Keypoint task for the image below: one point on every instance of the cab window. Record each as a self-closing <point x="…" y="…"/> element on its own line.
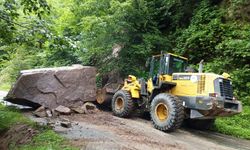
<point x="176" y="65"/>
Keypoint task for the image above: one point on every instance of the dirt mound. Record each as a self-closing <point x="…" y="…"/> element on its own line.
<point x="16" y="135"/>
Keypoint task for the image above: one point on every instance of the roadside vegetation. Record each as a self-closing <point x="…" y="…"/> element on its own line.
<point x="44" y="140"/>
<point x="11" y="116"/>
<point x="47" y="139"/>
<point x="48" y="33"/>
<point x="238" y="125"/>
<point x="5" y="87"/>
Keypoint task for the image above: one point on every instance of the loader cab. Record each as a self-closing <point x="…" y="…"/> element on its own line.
<point x="167" y="64"/>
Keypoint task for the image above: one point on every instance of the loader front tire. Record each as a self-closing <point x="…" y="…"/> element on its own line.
<point x="167" y="112"/>
<point x="122" y="104"/>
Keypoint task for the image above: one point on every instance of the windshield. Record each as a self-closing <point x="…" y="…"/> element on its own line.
<point x="168" y="64"/>
<point x="176" y="65"/>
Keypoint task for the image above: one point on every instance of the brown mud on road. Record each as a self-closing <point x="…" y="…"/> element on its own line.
<point x="103" y="131"/>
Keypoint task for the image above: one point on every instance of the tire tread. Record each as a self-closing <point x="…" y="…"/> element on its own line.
<point x="177" y="115"/>
<point x="129" y="104"/>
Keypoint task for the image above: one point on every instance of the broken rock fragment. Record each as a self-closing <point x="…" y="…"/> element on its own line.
<point x="40" y="112"/>
<point x="48" y="113"/>
<point x="63" y="110"/>
<point x="89" y="108"/>
<point x="86" y="108"/>
<point x="78" y="110"/>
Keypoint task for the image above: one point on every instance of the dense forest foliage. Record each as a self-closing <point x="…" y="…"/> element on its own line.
<point x="40" y="33"/>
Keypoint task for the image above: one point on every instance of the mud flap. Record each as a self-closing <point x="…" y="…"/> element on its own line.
<point x="195" y="114"/>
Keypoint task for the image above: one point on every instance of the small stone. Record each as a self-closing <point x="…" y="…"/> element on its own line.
<point x="57" y="123"/>
<point x="89" y="108"/>
<point x="55" y="113"/>
<point x="78" y="110"/>
<point x="49" y="113"/>
<point x="40" y="112"/>
<point x="51" y="124"/>
<point x="65" y="120"/>
<point x="66" y="124"/>
<point x="63" y="110"/>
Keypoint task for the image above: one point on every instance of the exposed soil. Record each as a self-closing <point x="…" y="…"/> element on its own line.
<point x="102" y="130"/>
<point x="16" y="135"/>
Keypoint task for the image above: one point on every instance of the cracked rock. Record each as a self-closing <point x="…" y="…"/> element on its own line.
<point x="68" y="86"/>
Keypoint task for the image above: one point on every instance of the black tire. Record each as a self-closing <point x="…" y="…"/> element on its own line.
<point x="200" y="124"/>
<point x="175" y="112"/>
<point x="127" y="107"/>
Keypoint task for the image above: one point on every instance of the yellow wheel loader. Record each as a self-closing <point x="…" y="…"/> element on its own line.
<point x="174" y="93"/>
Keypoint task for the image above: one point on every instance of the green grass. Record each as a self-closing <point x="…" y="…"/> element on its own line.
<point x="45" y="140"/>
<point x="5" y="87"/>
<point x="238" y="125"/>
<point x="11" y="116"/>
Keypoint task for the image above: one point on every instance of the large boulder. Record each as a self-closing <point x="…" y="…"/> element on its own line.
<point x="51" y="87"/>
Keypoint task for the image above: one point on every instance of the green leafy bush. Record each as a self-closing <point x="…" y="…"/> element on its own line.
<point x="87" y="32"/>
<point x="238" y="125"/>
<point x="10" y="117"/>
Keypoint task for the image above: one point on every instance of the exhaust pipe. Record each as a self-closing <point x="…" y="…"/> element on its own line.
<point x="201" y="66"/>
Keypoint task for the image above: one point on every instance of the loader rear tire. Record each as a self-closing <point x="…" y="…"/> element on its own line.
<point x="122" y="104"/>
<point x="167" y="112"/>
